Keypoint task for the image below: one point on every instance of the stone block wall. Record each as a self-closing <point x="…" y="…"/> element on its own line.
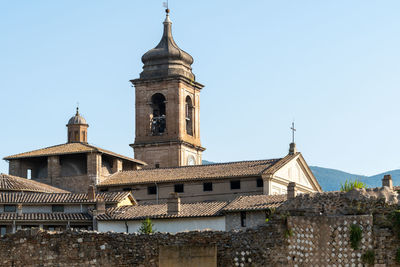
<point x="72" y="248"/>
<point x="323" y="240"/>
<point x="253" y="219"/>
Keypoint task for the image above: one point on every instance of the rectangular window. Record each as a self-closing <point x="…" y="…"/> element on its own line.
<point x="57" y="208"/>
<point x="29" y="174"/>
<point x="10" y="208"/>
<point x="152" y="190"/>
<point x="235" y="184"/>
<point x="207" y="187"/>
<point x="243" y="218"/>
<point x="104" y="190"/>
<point x="127" y="189"/>
<point x="178" y="188"/>
<point x="260" y="182"/>
<point x="157" y="165"/>
<point x="3" y="230"/>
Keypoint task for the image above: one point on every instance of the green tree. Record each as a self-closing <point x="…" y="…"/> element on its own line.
<point x="350" y="185"/>
<point x="147" y="227"/>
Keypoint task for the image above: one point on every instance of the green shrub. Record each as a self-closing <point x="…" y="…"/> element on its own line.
<point x="368" y="257"/>
<point x="350" y="185"/>
<point x="355" y="236"/>
<point x="147" y="227"/>
<point x="288" y="233"/>
<point x="398" y="255"/>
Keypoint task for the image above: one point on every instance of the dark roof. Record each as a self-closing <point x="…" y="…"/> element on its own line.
<point x="59" y="198"/>
<point x="159" y="211"/>
<point x="189" y="173"/>
<point x="14" y="183"/>
<point x="69" y="148"/>
<point x="13" y="216"/>
<point x="255" y="202"/>
<point x="198" y="209"/>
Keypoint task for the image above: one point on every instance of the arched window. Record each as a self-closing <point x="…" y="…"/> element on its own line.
<point x="189" y="116"/>
<point x="158" y="122"/>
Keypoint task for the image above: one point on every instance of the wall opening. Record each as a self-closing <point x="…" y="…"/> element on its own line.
<point x="158" y="120"/>
<point x="73" y="165"/>
<point x="189" y="116"/>
<point x="29" y="174"/>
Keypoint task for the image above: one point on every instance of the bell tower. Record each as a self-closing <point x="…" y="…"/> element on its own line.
<point x="167" y="106"/>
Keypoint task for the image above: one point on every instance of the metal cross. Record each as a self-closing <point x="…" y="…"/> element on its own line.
<point x="293" y="130"/>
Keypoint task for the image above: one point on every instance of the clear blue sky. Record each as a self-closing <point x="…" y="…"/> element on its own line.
<point x="333" y="66"/>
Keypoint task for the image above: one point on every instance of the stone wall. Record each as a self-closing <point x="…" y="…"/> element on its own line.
<point x="70" y="248"/>
<point x="253" y="219"/>
<point x="309" y="230"/>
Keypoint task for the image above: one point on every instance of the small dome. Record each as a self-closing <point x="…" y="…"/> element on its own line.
<point x="77" y="119"/>
<point x="167" y="58"/>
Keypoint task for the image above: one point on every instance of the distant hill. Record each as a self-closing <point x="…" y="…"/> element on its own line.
<point x="331" y="179"/>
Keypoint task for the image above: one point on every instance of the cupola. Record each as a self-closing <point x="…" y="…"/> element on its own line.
<point x="77" y="129"/>
<point x="167" y="59"/>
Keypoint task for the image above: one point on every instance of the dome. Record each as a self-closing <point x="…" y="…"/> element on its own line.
<point x="77" y="119"/>
<point x="167" y="59"/>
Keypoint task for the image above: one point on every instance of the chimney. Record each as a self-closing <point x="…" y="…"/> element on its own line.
<point x="173" y="204"/>
<point x="19" y="209"/>
<point x="292" y="148"/>
<point x="100" y="206"/>
<point x="91" y="195"/>
<point x="387" y="181"/>
<point x="291" y="190"/>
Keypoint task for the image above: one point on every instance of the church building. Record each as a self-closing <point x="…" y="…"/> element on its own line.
<point x="168" y="140"/>
<point x="167" y="147"/>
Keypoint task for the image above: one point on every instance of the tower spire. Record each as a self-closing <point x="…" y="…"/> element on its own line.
<point x="167" y="59"/>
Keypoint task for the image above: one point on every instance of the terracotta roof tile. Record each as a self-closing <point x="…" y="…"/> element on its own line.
<point x="69" y="148"/>
<point x="12" y="216"/>
<point x="188" y="173"/>
<point x="255" y="202"/>
<point x="50" y="198"/>
<point x="199" y="209"/>
<point x="14" y="183"/>
<point x="159" y="211"/>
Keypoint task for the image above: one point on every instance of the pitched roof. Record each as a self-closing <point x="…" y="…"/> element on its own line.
<point x="69" y="148"/>
<point x="14" y="183"/>
<point x="13" y="216"/>
<point x="159" y="211"/>
<point x="58" y="198"/>
<point x="255" y="202"/>
<point x="189" y="173"/>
